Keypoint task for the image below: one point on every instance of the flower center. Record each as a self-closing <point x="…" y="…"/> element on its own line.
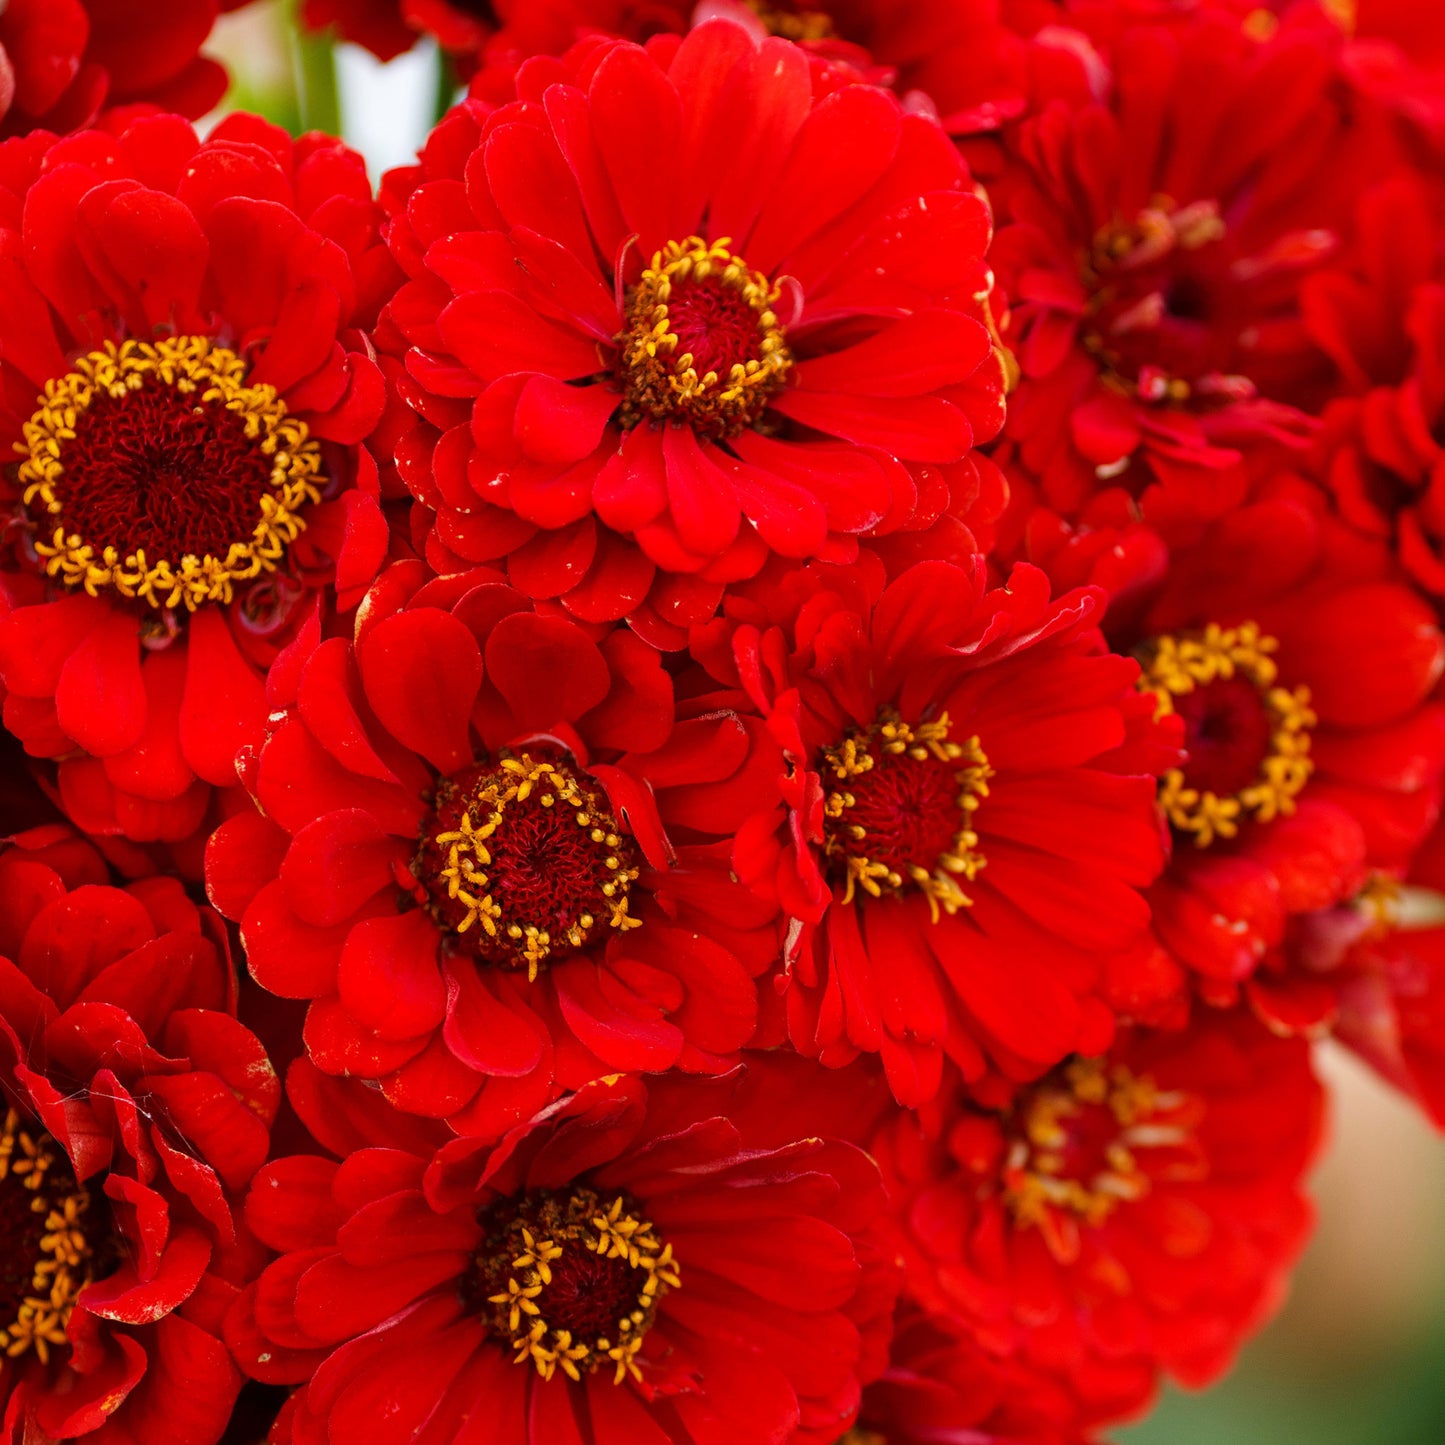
<point x="899" y="810"/>
<point x="571" y="1283"/>
<point x="1090" y="1137"/>
<point x="1154" y="290"/>
<point x="153" y="470"/>
<point x="1247" y="738"/>
<point x="703" y="346"/>
<point x="524" y="862"/>
<point x="48" y="1234"/>
<point x="792" y="21"/>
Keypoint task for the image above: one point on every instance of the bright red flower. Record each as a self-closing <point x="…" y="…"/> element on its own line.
<point x="965" y="819"/>
<point x="942" y="1387"/>
<point x="495" y="855"/>
<point x="696" y="1279"/>
<point x="1380" y="317"/>
<point x="685" y="312"/>
<point x="1302" y="670"/>
<point x="1153" y="248"/>
<point x="62" y="60"/>
<point x="952" y="55"/>
<point x="134" y="1105"/>
<point x="182" y="375"/>
<point x="1126" y="1217"/>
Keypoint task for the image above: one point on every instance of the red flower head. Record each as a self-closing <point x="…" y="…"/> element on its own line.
<point x="952" y="56"/>
<point x="1126" y="1216"/>
<point x="1301" y="668"/>
<point x="1155" y="248"/>
<point x="641" y="1261"/>
<point x="134" y="1104"/>
<point x="942" y="1387"/>
<point x="495" y="854"/>
<point x="968" y="819"/>
<point x="388" y="27"/>
<point x="1380" y="317"/>
<point x="689" y="304"/>
<point x="182" y="382"/>
<point x="62" y="60"/>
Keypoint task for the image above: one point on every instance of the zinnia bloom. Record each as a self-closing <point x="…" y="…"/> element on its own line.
<point x="1153" y="252"/>
<point x="134" y="1104"/>
<point x="966" y="819"/>
<point x="941" y="1386"/>
<point x="1302" y="669"/>
<point x="1127" y="1216"/>
<point x="183" y="383"/>
<point x="642" y="1261"/>
<point x="691" y="307"/>
<point x="956" y="53"/>
<point x="495" y="855"/>
<point x="1381" y="320"/>
<point x="62" y="60"/>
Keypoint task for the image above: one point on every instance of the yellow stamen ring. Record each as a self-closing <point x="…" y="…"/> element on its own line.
<point x="1174" y="665"/>
<point x="194" y="367"/>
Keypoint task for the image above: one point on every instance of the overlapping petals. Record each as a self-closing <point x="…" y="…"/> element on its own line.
<point x="446" y="681"/>
<point x="61" y="61"/>
<point x="537" y="237"/>
<point x="1368" y="653"/>
<point x="764" y="1334"/>
<point x="249" y="242"/>
<point x="1154" y="249"/>
<point x="1097" y="1282"/>
<point x="1000" y="970"/>
<point x="143" y="1107"/>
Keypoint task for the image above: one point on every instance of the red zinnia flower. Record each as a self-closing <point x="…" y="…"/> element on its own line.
<point x="969" y="67"/>
<point x="495" y="854"/>
<point x="182" y="379"/>
<point x="1301" y="669"/>
<point x="943" y="1388"/>
<point x="133" y="1103"/>
<point x="1381" y="320"/>
<point x="62" y="60"/>
<point x="967" y="821"/>
<point x="1384" y="982"/>
<point x="1126" y="1216"/>
<point x="651" y="1242"/>
<point x="1153" y="253"/>
<point x="684" y="310"/>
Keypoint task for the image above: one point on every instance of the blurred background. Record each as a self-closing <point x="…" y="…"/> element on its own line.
<point x="1357" y="1356"/>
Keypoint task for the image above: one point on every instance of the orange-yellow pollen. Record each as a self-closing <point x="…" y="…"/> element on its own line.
<point x="793" y="24"/>
<point x="1089" y="1138"/>
<point x="45" y="1212"/>
<point x="703" y="345"/>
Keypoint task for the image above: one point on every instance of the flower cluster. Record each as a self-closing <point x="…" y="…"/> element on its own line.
<point x="702" y="770"/>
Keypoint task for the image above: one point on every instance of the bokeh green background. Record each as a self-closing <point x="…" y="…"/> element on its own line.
<point x="1357" y="1357"/>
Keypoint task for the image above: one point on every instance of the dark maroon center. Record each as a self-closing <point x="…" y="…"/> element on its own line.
<point x="163" y="473"/>
<point x="908" y="810"/>
<point x="1227" y="732"/>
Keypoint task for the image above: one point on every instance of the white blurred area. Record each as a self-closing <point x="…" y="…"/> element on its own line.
<point x="386" y="110"/>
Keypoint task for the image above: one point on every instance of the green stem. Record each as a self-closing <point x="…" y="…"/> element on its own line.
<point x="314" y="62"/>
<point x="446" y="92"/>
